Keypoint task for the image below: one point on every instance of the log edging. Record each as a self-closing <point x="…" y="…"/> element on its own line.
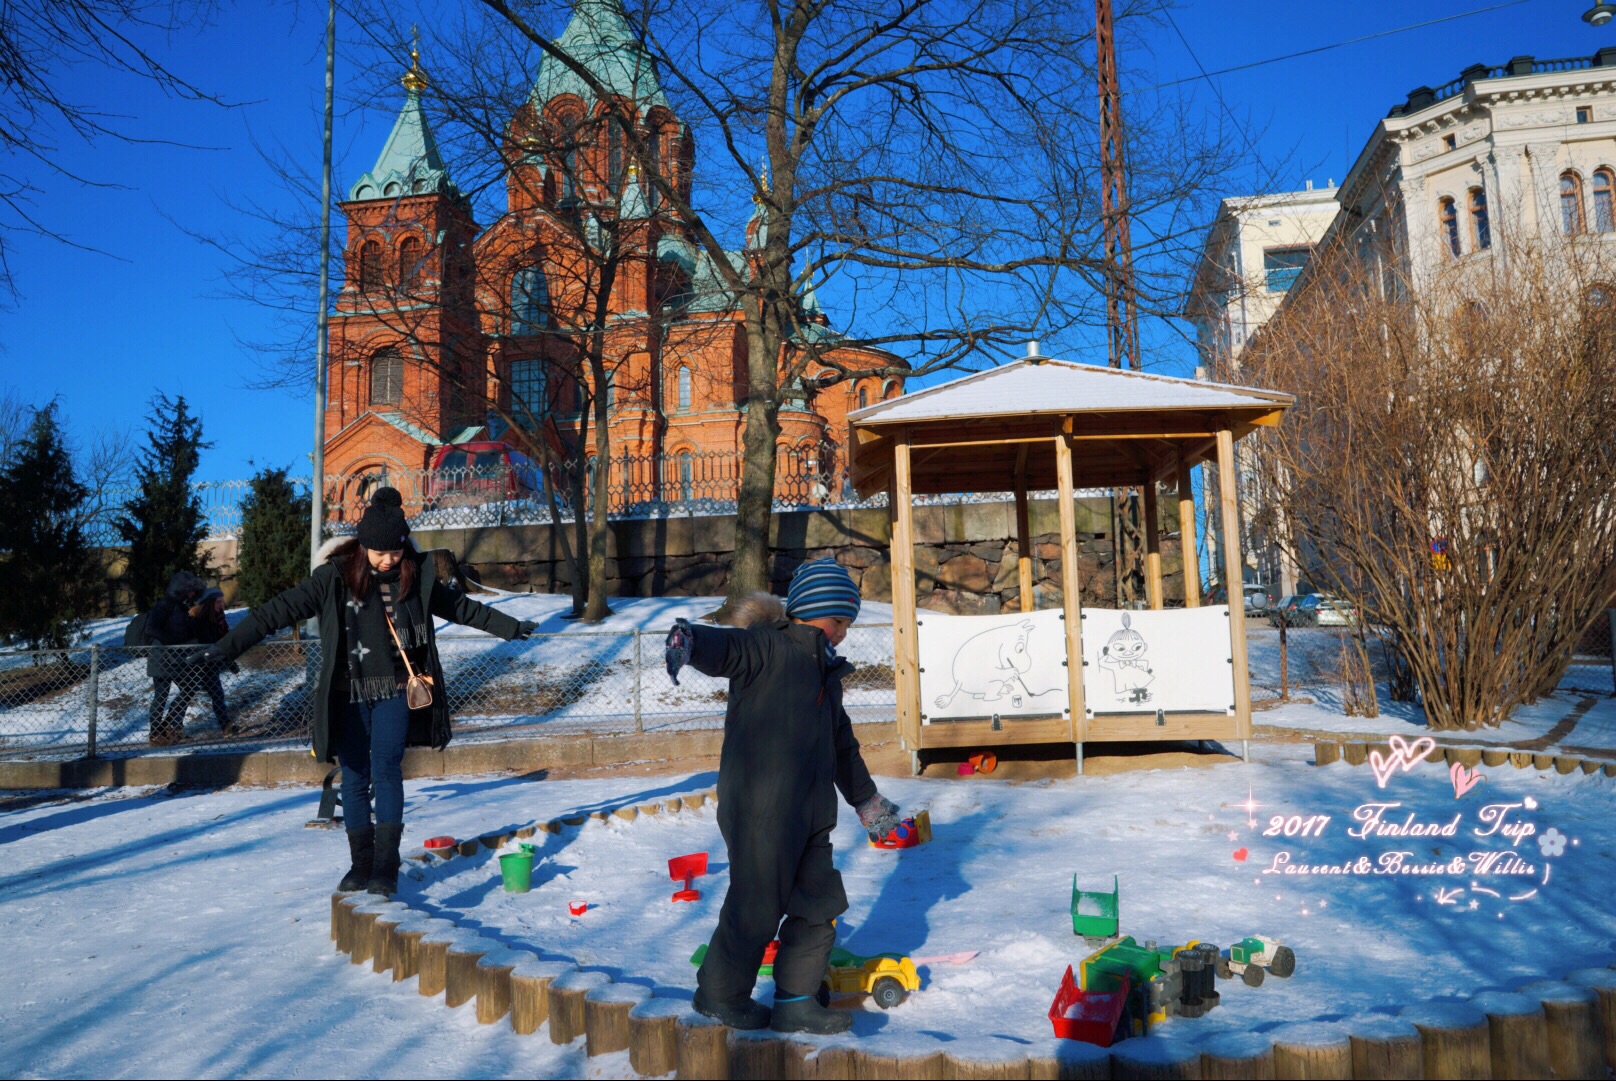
<point x="1356" y="753"/>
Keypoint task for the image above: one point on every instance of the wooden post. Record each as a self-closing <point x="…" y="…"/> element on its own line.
<point x="876" y="1065"/>
<point x="460" y="968"/>
<point x="434" y="959"/>
<point x="1155" y="1057"/>
<point x="1189" y="549"/>
<point x="567" y="994"/>
<point x="1070" y="587"/>
<point x="494" y="982"/>
<point x="1454" y="1038"/>
<point x="530" y="993"/>
<point x="1229" y="515"/>
<point x="1023" y="532"/>
<point x="703" y="1047"/>
<point x="406" y="948"/>
<point x="653" y="1049"/>
<point x="756" y="1054"/>
<point x="381" y="937"/>
<point x="1516" y="1034"/>
<point x="1603" y="982"/>
<point x="985" y="1058"/>
<point x="1153" y="566"/>
<point x="364" y="928"/>
<point x="1057" y="1059"/>
<point x="1385" y="1048"/>
<point x="606" y="1010"/>
<point x="1312" y="1050"/>
<point x="1237" y="1055"/>
<point x="905" y="628"/>
<point x="1571" y="1016"/>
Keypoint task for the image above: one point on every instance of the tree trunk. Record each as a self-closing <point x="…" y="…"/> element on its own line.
<point x="597" y="608"/>
<point x="749" y="573"/>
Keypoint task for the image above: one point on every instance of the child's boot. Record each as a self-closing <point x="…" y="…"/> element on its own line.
<point x="747" y="1014"/>
<point x="803" y="1014"/>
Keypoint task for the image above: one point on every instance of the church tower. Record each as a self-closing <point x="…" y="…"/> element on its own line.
<point x="406" y="373"/>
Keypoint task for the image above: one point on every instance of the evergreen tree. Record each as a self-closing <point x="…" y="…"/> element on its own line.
<point x="53" y="579"/>
<point x="165" y="524"/>
<point x="274" y="538"/>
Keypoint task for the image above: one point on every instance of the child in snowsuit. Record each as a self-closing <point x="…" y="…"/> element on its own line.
<point x="788" y="749"/>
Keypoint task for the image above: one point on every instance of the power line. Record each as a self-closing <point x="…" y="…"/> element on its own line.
<point x="1333" y="45"/>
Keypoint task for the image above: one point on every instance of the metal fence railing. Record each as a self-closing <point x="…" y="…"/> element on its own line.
<point x="104" y="700"/>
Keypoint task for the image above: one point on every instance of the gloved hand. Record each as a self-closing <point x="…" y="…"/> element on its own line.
<point x="879" y="817"/>
<point x="209" y="655"/>
<point x="527" y="628"/>
<point x="678" y="651"/>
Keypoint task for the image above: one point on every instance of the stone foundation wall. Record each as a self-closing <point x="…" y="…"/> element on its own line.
<point x="966" y="557"/>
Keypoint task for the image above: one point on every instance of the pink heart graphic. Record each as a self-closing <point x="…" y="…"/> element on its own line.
<point x="1464" y="779"/>
<point x="1241" y="854"/>
<point x="1404" y="756"/>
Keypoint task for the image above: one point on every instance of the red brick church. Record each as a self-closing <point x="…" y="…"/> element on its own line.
<point x="445" y="330"/>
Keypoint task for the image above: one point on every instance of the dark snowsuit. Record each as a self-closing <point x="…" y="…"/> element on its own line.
<point x="788" y="748"/>
<point x="172" y="632"/>
<point x="323" y="595"/>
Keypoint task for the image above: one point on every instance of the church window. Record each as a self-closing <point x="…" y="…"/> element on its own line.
<point x="387" y="378"/>
<point x="569" y="158"/>
<point x="614" y="156"/>
<point x="864" y="397"/>
<point x="1571" y="218"/>
<point x="530" y="301"/>
<point x="684" y="388"/>
<point x="1604" y="215"/>
<point x="529" y="387"/>
<point x="370" y="266"/>
<point x="1481" y="233"/>
<point x="1448" y="214"/>
<point x="653" y="167"/>
<point x="890" y="390"/>
<point x="409" y="261"/>
<point x="611" y="390"/>
<point x="686" y="472"/>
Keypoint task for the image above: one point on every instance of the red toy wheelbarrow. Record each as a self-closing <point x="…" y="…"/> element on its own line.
<point x="908" y="834"/>
<point x="1092" y="1017"/>
<point x="687" y="868"/>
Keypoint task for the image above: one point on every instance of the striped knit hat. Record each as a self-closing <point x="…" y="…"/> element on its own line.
<point x="822" y="588"/>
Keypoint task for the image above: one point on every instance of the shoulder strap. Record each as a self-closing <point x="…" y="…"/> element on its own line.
<point x="408" y="668"/>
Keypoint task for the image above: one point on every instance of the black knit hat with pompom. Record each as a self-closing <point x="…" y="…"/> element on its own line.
<point x="383" y="528"/>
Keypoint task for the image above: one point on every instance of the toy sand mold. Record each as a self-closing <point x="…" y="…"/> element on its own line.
<point x="1040" y="425"/>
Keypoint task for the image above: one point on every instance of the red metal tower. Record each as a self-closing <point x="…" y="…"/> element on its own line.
<point x="1121" y="300"/>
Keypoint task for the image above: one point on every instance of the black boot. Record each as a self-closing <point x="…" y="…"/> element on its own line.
<point x="384" y="872"/>
<point x="361" y="854"/>
<point x="748" y="1014"/>
<point x="805" y="1015"/>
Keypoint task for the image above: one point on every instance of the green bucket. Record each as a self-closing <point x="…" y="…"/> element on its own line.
<point x="517" y="871"/>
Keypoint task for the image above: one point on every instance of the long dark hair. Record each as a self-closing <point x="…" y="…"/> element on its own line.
<point x="356" y="569"/>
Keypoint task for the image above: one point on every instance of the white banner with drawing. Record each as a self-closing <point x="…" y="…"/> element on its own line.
<point x="1142" y="661"/>
<point x="981" y="666"/>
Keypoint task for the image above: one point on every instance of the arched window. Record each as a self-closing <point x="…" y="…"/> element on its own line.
<point x="684" y="388"/>
<point x="569" y="157"/>
<point x="653" y="167"/>
<point x="386" y="378"/>
<point x="889" y="390"/>
<point x="530" y="301"/>
<point x="409" y="261"/>
<point x="1449" y="216"/>
<point x="611" y="390"/>
<point x="863" y="397"/>
<point x="614" y="156"/>
<point x="686" y="475"/>
<point x="1571" y="218"/>
<point x="1481" y="234"/>
<point x="370" y="266"/>
<point x="1604" y="216"/>
<point x="529" y="390"/>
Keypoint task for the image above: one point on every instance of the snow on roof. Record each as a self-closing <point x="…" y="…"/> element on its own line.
<point x="1036" y="386"/>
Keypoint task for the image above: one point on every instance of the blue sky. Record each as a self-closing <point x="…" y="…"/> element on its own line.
<point x="102" y="332"/>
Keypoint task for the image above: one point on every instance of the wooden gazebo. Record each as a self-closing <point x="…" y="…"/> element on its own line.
<point x="1041" y="424"/>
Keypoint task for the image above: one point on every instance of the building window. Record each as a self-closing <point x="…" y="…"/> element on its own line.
<point x="1282" y="266"/>
<point x="370" y="266"/>
<point x="529" y="388"/>
<point x="569" y="158"/>
<point x="684" y="388"/>
<point x="1480" y="230"/>
<point x="386" y="378"/>
<point x="1448" y="214"/>
<point x="1450" y="141"/>
<point x="1571" y="219"/>
<point x="685" y="475"/>
<point x="889" y="390"/>
<point x="530" y="301"/>
<point x="611" y="390"/>
<point x="1585" y="114"/>
<point x="864" y="397"/>
<point x="1604" y="216"/>
<point x="409" y="261"/>
<point x="653" y="167"/>
<point x="614" y="156"/>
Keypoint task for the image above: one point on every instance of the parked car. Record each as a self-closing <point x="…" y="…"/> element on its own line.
<point x="1257" y="598"/>
<point x="1334" y="612"/>
<point x="1297" y="610"/>
<point x="485" y="471"/>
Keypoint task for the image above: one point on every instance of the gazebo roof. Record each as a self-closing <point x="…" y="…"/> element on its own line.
<point x="980" y="432"/>
<point x="1037" y="386"/>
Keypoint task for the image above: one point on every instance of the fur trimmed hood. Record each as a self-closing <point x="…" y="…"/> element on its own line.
<point x="759" y="610"/>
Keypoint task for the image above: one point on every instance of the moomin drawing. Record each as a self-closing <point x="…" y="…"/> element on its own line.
<point x="992" y="665"/>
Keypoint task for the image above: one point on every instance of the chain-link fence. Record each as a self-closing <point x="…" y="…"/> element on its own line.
<point x="111" y="700"/>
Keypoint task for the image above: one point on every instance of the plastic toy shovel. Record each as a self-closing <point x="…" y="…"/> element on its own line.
<point x="687" y="868"/>
<point x="908" y="834"/>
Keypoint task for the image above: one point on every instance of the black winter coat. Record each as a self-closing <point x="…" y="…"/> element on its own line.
<point x="322" y="595"/>
<point x="788" y="748"/>
<point x="168" y="628"/>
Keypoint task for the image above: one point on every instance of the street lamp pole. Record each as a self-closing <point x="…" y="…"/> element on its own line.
<point x="317" y="485"/>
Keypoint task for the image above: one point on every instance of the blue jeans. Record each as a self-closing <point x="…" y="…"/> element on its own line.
<point x="370" y="747"/>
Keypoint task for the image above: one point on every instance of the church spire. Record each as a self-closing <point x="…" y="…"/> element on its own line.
<point x="601" y="39"/>
<point x="409" y="163"/>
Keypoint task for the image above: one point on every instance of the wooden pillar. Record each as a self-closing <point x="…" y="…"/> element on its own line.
<point x="905" y="630"/>
<point x="1153" y="570"/>
<point x="1187" y="542"/>
<point x="1023" y="532"/>
<point x="1229" y="516"/>
<point x="1070" y="587"/>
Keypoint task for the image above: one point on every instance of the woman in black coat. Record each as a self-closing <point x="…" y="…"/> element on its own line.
<point x="169" y="626"/>
<point x="361" y="718"/>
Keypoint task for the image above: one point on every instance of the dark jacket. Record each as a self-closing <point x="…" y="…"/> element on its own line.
<point x="322" y="595"/>
<point x="170" y="625"/>
<point x="788" y="749"/>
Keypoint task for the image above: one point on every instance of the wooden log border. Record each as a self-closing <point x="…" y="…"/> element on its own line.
<point x="1447" y="1039"/>
<point x="1356" y="753"/>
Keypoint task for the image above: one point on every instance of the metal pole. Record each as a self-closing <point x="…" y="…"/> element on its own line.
<point x="317" y="483"/>
<point x="94" y="693"/>
<point x="639" y="722"/>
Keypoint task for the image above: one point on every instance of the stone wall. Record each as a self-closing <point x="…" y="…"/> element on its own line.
<point x="965" y="554"/>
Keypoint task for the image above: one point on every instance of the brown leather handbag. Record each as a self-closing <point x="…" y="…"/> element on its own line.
<point x="418" y="688"/>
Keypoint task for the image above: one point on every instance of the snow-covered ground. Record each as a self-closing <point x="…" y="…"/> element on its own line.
<point x="186" y="934"/>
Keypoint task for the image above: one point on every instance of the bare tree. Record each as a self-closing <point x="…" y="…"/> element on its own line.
<point x="1448" y="466"/>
